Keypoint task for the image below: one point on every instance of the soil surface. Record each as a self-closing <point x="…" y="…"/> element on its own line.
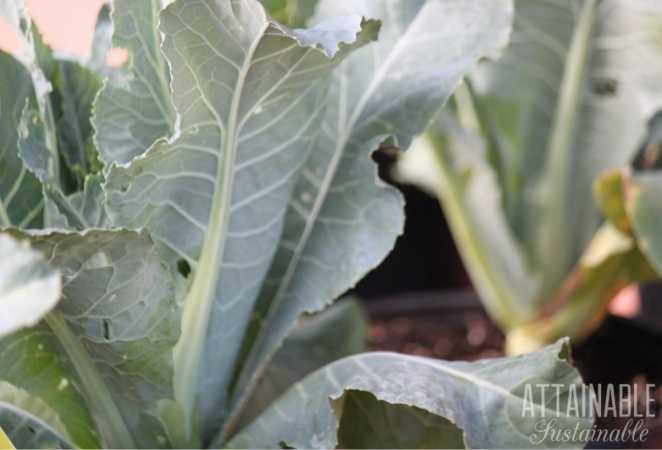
<point x="454" y="326"/>
<point x="460" y="330"/>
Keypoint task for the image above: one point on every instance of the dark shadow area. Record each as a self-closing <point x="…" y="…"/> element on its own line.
<point x="424" y="257"/>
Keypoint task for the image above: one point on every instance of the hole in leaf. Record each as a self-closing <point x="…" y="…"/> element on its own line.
<point x="106" y="330"/>
<point x="32" y="430"/>
<point x="607" y="87"/>
<point x="183" y="268"/>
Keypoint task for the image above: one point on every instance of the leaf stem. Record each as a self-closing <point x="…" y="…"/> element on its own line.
<point x="5" y="221"/>
<point x="114" y="432"/>
<point x="554" y="243"/>
<point x="498" y="296"/>
<point x="200" y="300"/>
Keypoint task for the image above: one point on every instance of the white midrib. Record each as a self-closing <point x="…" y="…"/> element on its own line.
<point x="500" y="297"/>
<point x="553" y="230"/>
<point x="347" y="127"/>
<point x="5" y="221"/>
<point x="199" y="302"/>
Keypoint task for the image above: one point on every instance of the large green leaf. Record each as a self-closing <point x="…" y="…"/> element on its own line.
<point x="20" y="191"/>
<point x="134" y="108"/>
<point x="250" y="95"/>
<point x="342" y="220"/>
<point x="569" y="100"/>
<point x="109" y="341"/>
<point x="29" y="289"/>
<point x="436" y="404"/>
<point x="28" y="421"/>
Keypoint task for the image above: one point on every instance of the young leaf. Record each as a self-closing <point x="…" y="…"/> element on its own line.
<point x="29" y="289"/>
<point x="80" y="210"/>
<point x="109" y="341"/>
<point x="340" y="210"/>
<point x="250" y="95"/>
<point x="134" y="108"/>
<point x="473" y="397"/>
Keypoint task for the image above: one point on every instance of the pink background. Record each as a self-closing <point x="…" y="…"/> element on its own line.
<point x="66" y="25"/>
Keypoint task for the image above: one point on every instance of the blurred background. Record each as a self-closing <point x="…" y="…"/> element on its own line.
<point x="67" y="25"/>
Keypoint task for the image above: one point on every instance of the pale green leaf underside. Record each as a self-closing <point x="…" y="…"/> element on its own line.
<point x="484" y="399"/>
<point x="250" y="97"/>
<point x="29" y="289"/>
<point x="342" y="220"/>
<point x="134" y="107"/>
<point x="370" y="423"/>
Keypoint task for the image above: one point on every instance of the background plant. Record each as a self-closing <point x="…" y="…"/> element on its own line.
<point x="515" y="163"/>
<point x="187" y="210"/>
